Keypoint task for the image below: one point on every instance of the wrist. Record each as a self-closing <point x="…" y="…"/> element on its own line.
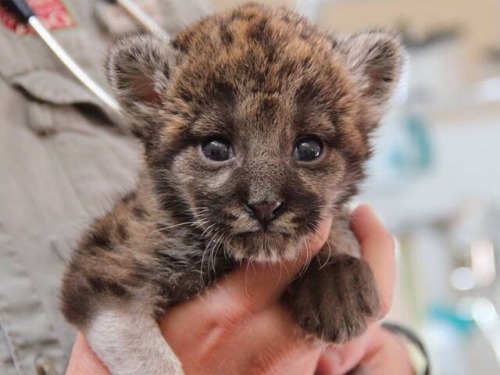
<point x="414" y="350"/>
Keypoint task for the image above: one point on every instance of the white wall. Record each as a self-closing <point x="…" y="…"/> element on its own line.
<point x="466" y="166"/>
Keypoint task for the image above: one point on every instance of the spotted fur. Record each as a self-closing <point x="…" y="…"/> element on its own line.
<point x="261" y="79"/>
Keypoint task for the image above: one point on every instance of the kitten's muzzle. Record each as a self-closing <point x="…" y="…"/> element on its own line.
<point x="264" y="212"/>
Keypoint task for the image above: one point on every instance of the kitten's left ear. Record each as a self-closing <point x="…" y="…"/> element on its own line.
<point x="139" y="69"/>
<point x="376" y="60"/>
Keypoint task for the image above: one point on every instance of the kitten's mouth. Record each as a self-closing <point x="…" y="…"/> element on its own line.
<point x="276" y="241"/>
<point x="265" y="232"/>
<point x="264" y="245"/>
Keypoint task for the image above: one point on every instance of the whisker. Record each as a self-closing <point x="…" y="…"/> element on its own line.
<point x="329" y="256"/>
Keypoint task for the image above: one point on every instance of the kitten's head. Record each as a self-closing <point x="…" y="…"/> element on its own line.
<point x="255" y="123"/>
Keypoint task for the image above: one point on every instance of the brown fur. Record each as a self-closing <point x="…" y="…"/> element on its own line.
<point x="260" y="79"/>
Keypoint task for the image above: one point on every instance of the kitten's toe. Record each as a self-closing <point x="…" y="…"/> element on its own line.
<point x="334" y="300"/>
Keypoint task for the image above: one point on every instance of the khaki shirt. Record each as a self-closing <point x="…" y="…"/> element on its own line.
<point x="62" y="162"/>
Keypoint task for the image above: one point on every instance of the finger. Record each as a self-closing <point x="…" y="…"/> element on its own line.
<point x="301" y="363"/>
<point x="377" y="249"/>
<point x="272" y="343"/>
<point x="340" y="360"/>
<point x="83" y="360"/>
<point x="378" y="351"/>
<point x="278" y="344"/>
<point x="386" y="355"/>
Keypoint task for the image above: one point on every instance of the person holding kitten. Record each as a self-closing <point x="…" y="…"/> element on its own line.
<point x="62" y="161"/>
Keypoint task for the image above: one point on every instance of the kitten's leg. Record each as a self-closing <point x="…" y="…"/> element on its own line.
<point x="129" y="342"/>
<point x="337" y="295"/>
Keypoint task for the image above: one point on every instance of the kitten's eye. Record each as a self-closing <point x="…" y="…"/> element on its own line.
<point x="217" y="150"/>
<point x="307" y="149"/>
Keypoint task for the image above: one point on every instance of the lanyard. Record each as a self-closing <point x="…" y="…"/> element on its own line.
<point x="26" y="15"/>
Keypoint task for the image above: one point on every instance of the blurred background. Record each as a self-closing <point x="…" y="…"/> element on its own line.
<point x="435" y="180"/>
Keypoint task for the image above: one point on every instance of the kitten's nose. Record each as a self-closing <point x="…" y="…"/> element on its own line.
<point x="264" y="212"/>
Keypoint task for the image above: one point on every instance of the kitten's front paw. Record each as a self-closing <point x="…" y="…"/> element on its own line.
<point x="333" y="300"/>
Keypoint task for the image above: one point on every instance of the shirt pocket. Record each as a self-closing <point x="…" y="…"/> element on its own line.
<point x="57" y="103"/>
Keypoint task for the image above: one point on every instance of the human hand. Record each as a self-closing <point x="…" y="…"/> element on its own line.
<point x="377" y="352"/>
<point x="239" y="326"/>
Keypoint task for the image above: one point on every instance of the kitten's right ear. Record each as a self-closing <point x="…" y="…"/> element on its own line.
<point x="138" y="69"/>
